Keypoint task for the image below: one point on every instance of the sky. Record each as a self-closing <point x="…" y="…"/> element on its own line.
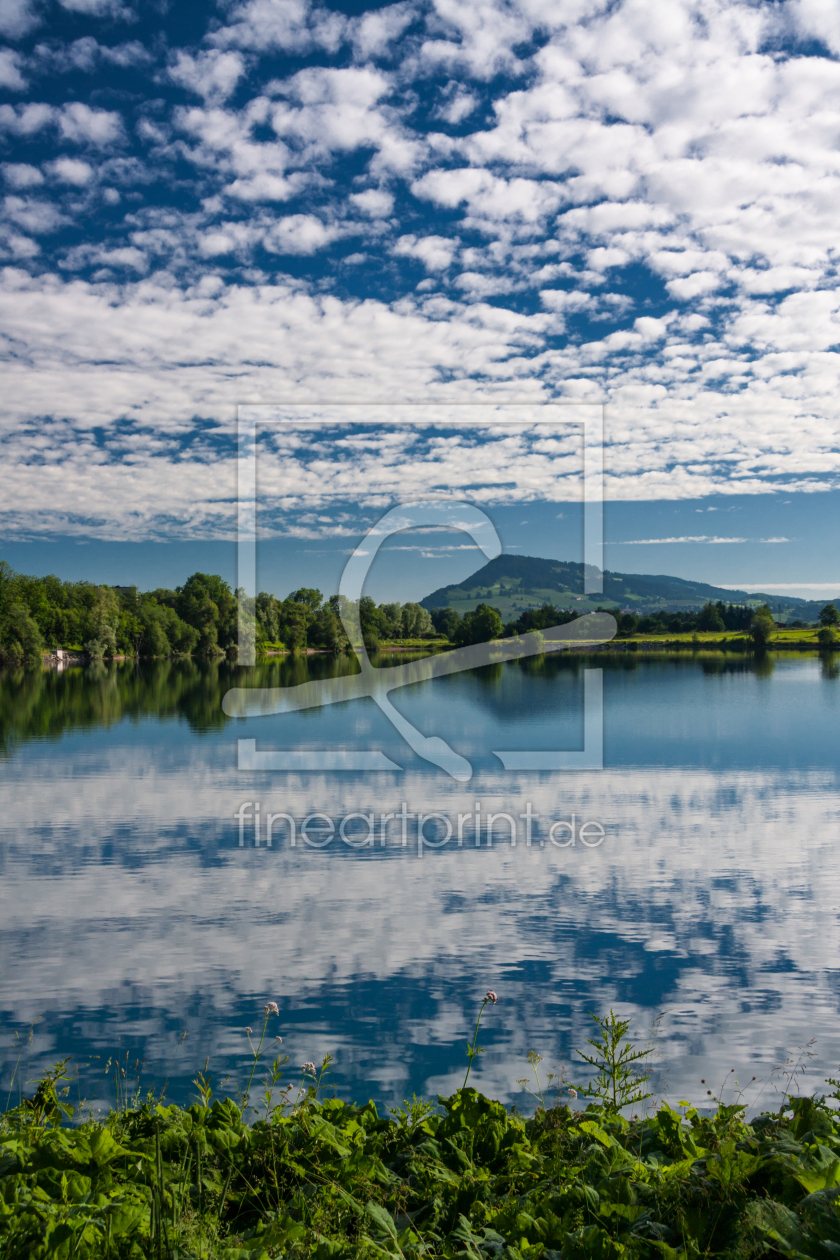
<point x="631" y="205"/>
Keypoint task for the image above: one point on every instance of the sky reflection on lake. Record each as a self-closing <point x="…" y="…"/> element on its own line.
<point x="130" y="913"/>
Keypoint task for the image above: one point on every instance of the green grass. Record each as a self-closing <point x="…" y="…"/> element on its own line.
<point x="714" y="638"/>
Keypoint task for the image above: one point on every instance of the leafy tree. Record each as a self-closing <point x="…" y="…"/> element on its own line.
<point x="710" y="618"/>
<point x="762" y="626"/>
<point x="295" y="620"/>
<point x="20" y="638"/>
<point x="829" y="616"/>
<point x="372" y="623"/>
<point x="480" y="626"/>
<point x="446" y="621"/>
<point x="327" y="631"/>
<point x="392" y="615"/>
<point x="269" y="614"/>
<point x="309" y="596"/>
<point x="416" y="622"/>
<point x="827" y="636"/>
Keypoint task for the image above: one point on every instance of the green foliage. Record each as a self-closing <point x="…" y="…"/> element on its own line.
<point x="618" y="1083"/>
<point x="312" y="1179"/>
<point x="20" y="635"/>
<point x="710" y="617"/>
<point x="829" y="616"/>
<point x="199" y="618"/>
<point x="762" y="626"/>
<point x="479" y="626"/>
<point x="107" y="621"/>
<point x="827" y="636"/>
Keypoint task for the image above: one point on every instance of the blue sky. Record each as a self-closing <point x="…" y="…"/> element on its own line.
<point x="631" y="203"/>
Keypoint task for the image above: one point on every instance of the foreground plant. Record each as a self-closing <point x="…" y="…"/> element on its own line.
<point x="474" y="1050"/>
<point x="466" y="1179"/>
<point x="617" y="1083"/>
<point x="468" y="1182"/>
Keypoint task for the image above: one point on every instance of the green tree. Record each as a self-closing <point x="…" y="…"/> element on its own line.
<point x="709" y="617"/>
<point x="372" y="622"/>
<point x="446" y="621"/>
<point x="827" y="636"/>
<point x="326" y="630"/>
<point x="416" y="621"/>
<point x="20" y="638"/>
<point x="392" y="620"/>
<point x="268" y="618"/>
<point x="295" y="620"/>
<point x="829" y="616"/>
<point x="762" y="626"/>
<point x="480" y="626"/>
<point x="307" y="595"/>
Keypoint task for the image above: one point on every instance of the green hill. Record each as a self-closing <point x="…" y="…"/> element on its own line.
<point x="515" y="583"/>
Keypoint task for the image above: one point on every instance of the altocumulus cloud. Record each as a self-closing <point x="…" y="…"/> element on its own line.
<point x="629" y="202"/>
<point x="695" y="538"/>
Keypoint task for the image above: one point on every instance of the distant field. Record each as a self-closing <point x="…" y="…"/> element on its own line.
<point x="705" y="638"/>
<point x="511" y="602"/>
<point x="709" y="638"/>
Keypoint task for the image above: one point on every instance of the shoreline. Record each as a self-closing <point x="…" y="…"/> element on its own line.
<point x="631" y="647"/>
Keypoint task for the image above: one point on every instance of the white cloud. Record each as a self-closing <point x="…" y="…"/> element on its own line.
<point x="300" y="234"/>
<point x="695" y="538"/>
<point x="817" y="19"/>
<point x="18" y="18"/>
<point x="11" y="71"/>
<point x="376" y="202"/>
<point x="86" y="54"/>
<point x="99" y="8"/>
<point x="71" y="171"/>
<point x="80" y="123"/>
<point x="332" y="110"/>
<point x="457" y="105"/>
<point x="489" y="199"/>
<point x="226" y="147"/>
<point x="435" y="252"/>
<point x="21" y="175"/>
<point x="16" y="247"/>
<point x="374" y="33"/>
<point x="639" y="150"/>
<point x="34" y="216"/>
<point x="25" y="120"/>
<point x="694" y="285"/>
<point x="91" y="256"/>
<point x="477" y="38"/>
<point x="212" y="74"/>
<point x="291" y="25"/>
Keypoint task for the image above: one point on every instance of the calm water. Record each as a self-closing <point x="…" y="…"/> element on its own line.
<point x="130" y="913"/>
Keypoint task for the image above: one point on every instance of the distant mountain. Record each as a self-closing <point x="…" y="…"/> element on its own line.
<point x="514" y="583"/>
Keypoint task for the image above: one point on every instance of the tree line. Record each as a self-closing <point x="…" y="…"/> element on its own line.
<point x="201" y="618"/>
<point x="38" y="614"/>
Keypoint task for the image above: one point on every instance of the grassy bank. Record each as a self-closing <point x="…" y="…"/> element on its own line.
<point x="781" y="640"/>
<point x="304" y="1176"/>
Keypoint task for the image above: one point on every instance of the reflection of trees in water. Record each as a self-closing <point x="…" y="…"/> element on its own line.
<point x="38" y="703"/>
<point x="829" y="666"/>
<point x="762" y="665"/>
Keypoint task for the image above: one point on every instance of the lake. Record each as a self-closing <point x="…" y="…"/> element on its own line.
<point x="135" y="905"/>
